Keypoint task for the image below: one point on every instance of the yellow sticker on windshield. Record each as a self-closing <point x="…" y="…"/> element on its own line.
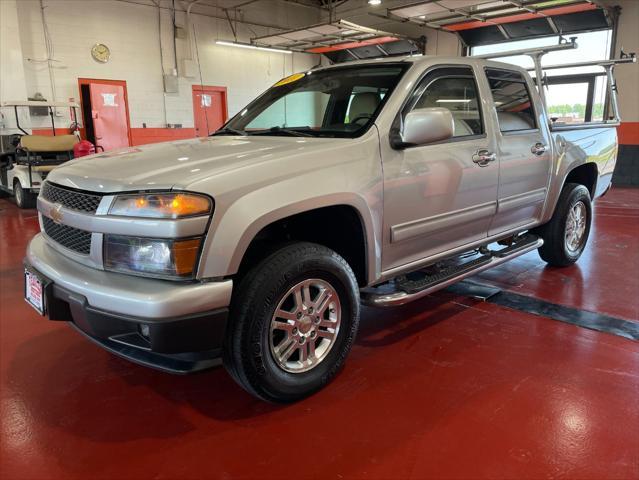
<point x="290" y="79"/>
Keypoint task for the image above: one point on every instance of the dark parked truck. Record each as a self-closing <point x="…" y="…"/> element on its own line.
<point x="373" y="182"/>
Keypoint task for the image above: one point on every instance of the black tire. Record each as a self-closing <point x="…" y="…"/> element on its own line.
<point x="248" y="354"/>
<point x="24" y="198"/>
<point x="556" y="250"/>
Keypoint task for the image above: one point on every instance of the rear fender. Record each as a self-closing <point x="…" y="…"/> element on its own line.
<point x="578" y="147"/>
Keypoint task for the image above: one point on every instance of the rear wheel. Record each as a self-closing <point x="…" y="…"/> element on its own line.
<point x="24" y="198"/>
<point x="294" y="319"/>
<point x="566" y="235"/>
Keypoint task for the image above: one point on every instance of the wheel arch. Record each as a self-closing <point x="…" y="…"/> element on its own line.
<point x="585" y="174"/>
<point x="350" y="218"/>
<point x="346" y="236"/>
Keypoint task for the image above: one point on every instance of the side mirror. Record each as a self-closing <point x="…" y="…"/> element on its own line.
<point x="427" y="125"/>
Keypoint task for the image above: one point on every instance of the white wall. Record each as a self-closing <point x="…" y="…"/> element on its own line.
<point x="130" y="29"/>
<point x="12" y="84"/>
<point x="131" y="33"/>
<point x="245" y="72"/>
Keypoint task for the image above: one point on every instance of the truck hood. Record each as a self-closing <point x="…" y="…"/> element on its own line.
<point x="176" y="165"/>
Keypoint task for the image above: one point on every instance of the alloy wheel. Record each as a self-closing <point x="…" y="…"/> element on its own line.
<point x="305" y="325"/>
<point x="576" y="227"/>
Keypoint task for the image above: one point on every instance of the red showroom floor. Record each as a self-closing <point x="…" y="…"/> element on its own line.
<point x="446" y="387"/>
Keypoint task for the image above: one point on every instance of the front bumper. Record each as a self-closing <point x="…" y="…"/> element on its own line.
<point x="175" y="327"/>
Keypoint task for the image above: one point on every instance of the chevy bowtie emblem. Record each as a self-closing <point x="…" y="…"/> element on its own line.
<point x="56" y="213"/>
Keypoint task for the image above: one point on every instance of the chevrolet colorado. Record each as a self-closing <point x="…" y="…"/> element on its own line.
<point x="373" y="182"/>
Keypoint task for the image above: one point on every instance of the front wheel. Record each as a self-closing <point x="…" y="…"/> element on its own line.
<point x="293" y="321"/>
<point x="566" y="235"/>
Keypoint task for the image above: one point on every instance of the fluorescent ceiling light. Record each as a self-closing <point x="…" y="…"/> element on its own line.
<point x="253" y="47"/>
<point x="374" y="2"/>
<point x="453" y="100"/>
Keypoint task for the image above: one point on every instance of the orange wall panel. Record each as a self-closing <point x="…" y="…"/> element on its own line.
<point x="628" y="133"/>
<point x="143" y="136"/>
<point x="139" y="136"/>
<point x="58" y="131"/>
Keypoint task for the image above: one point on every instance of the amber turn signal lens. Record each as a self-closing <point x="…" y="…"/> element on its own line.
<point x="185" y="205"/>
<point x="184" y="255"/>
<point x="161" y="205"/>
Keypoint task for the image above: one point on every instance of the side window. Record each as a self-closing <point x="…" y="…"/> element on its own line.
<point x="454" y="89"/>
<point x="512" y="100"/>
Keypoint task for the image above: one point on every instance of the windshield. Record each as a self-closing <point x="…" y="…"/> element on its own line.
<point x="337" y="102"/>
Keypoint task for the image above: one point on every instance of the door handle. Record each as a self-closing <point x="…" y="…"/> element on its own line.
<point x="484" y="157"/>
<point x="538" y="148"/>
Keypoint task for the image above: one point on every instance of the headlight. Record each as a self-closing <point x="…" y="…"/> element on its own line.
<point x="161" y="205"/>
<point x="162" y="258"/>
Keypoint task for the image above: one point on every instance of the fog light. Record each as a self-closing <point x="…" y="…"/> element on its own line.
<point x="144" y="331"/>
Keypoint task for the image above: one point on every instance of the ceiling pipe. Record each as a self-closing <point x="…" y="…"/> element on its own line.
<point x="220" y="17"/>
<point x="188" y="26"/>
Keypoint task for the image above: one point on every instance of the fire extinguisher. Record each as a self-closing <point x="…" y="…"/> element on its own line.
<point x="83" y="148"/>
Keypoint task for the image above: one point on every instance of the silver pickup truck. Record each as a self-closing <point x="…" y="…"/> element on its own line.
<point x="374" y="182"/>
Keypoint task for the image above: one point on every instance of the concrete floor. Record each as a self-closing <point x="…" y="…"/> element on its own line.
<point x="447" y="387"/>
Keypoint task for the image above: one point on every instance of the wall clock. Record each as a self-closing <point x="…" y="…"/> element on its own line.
<point x="100" y="53"/>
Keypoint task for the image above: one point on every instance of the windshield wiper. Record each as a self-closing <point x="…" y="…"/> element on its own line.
<point x="228" y="131"/>
<point x="287" y="131"/>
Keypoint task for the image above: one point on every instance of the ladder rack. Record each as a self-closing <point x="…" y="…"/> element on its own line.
<point x="564" y="45"/>
<point x="608" y="66"/>
<point x="537" y="53"/>
<point x="595" y="63"/>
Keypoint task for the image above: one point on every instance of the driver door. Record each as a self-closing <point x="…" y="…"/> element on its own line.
<point x="440" y="196"/>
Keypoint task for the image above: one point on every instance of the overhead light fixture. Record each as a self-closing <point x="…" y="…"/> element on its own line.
<point x="253" y="47"/>
<point x="374" y="2"/>
<point x="454" y="100"/>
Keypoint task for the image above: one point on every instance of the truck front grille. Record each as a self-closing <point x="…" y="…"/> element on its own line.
<point x="72" y="238"/>
<point x="83" y="202"/>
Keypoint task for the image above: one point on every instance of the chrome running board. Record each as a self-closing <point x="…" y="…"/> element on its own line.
<point x="408" y="291"/>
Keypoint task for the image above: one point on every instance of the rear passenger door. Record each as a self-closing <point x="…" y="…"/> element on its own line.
<point x="523" y="149"/>
<point x="442" y="195"/>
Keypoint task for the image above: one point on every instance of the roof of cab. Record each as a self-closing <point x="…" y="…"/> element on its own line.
<point x="426" y="59"/>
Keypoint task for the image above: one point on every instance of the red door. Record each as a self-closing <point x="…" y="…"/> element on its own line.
<point x="109" y="113"/>
<point x="209" y="109"/>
